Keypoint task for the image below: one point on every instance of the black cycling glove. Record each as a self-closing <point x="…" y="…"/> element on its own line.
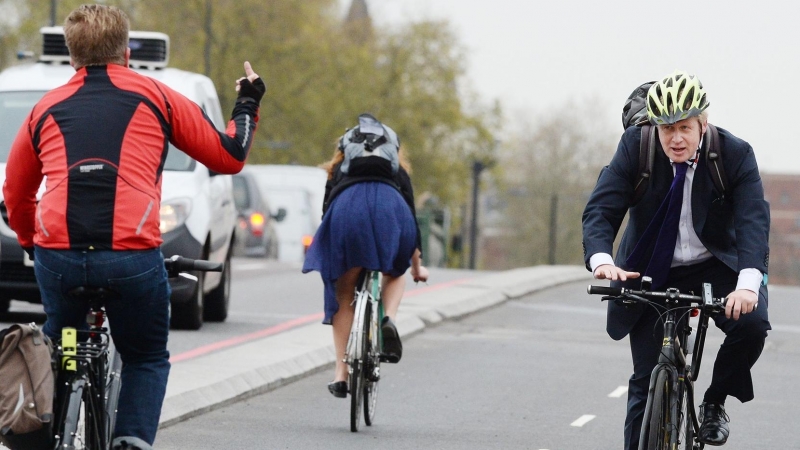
<point x="251" y="91"/>
<point x="29" y="251"/>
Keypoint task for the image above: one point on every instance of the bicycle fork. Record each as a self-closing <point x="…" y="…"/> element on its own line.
<point x="670" y="361"/>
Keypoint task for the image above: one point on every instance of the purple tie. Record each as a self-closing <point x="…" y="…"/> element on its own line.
<point x="665" y="222"/>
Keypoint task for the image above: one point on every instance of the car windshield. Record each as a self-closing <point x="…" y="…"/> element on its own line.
<point x="241" y="195"/>
<point x="15" y="107"/>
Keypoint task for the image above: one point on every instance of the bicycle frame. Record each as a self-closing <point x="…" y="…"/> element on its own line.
<point x="84" y="356"/>
<point x="368" y="292"/>
<point x="672" y="361"/>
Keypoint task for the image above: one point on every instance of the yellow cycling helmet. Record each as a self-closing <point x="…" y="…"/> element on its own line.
<point x="676" y="97"/>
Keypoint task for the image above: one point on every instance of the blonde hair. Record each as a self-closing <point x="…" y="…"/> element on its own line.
<point x="338" y="157"/>
<point x="97" y="35"/>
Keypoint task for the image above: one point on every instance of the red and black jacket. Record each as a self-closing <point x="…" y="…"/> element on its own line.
<point x="101" y="140"/>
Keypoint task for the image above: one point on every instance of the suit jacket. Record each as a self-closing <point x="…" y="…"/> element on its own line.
<point x="734" y="229"/>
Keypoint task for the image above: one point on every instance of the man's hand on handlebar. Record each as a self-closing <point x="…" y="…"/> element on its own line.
<point x="742" y="301"/>
<point x="614" y="273"/>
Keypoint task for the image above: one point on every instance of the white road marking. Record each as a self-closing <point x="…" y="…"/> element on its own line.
<point x="583" y="420"/>
<point x="618" y="392"/>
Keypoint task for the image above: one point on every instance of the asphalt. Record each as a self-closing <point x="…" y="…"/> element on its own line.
<point x="206" y="382"/>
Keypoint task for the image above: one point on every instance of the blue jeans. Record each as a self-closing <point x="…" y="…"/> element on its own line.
<point x="138" y="318"/>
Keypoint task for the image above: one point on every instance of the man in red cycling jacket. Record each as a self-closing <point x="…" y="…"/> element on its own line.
<point x="101" y="141"/>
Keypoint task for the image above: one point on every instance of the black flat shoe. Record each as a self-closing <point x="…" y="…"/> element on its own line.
<point x="714" y="426"/>
<point x="338" y="388"/>
<point x="392" y="347"/>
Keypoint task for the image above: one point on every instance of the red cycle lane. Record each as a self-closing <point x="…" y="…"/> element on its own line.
<point x="290" y="324"/>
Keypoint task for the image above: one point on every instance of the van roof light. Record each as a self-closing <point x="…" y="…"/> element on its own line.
<point x="149" y="49"/>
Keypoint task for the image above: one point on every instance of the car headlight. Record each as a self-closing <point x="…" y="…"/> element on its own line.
<point x="174" y="213"/>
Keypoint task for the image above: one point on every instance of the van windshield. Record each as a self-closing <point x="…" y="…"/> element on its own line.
<point x="15" y="107"/>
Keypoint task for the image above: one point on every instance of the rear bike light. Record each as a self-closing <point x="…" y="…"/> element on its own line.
<point x="695" y="312"/>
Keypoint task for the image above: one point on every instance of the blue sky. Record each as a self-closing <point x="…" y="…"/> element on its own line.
<point x="533" y="55"/>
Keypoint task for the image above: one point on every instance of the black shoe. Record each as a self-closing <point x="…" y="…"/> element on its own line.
<point x="338" y="388"/>
<point x="392" y="347"/>
<point x="714" y="424"/>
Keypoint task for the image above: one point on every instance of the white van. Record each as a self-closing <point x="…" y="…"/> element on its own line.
<point x="198" y="216"/>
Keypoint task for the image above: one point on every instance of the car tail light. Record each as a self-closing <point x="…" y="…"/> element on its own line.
<point x="257" y="224"/>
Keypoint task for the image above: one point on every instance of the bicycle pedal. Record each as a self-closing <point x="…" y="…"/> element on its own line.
<point x="391" y="359"/>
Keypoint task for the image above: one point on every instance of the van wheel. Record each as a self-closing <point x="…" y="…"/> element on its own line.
<point x="189" y="316"/>
<point x="217" y="301"/>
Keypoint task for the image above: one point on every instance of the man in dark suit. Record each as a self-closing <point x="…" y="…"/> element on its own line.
<point x="718" y="238"/>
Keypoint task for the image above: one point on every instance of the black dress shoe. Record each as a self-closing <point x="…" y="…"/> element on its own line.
<point x="392" y="347"/>
<point x="338" y="388"/>
<point x="714" y="426"/>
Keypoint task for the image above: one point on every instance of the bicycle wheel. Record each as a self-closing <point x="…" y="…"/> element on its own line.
<point x="372" y="354"/>
<point x="71" y="429"/>
<point x="89" y="428"/>
<point x="659" y="424"/>
<point x="357" y="361"/>
<point x="685" y="421"/>
<point x="113" y="385"/>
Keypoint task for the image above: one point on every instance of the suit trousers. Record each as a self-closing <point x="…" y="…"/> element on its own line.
<point x="744" y="341"/>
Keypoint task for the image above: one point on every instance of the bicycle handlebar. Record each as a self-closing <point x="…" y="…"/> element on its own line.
<point x="671" y="294"/>
<point x="619" y="291"/>
<point x="177" y="264"/>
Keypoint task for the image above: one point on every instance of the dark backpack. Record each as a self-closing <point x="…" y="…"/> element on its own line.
<point x="27" y="388"/>
<point x="634" y="113"/>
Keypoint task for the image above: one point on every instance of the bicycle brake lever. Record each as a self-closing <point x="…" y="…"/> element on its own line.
<point x="188" y="276"/>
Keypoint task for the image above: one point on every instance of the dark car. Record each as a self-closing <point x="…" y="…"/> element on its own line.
<point x="255" y="231"/>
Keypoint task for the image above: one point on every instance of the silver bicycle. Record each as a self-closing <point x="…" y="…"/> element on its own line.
<point x="364" y="347"/>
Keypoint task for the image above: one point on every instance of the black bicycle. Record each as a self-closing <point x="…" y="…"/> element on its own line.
<point x="670" y="420"/>
<point x="89" y="369"/>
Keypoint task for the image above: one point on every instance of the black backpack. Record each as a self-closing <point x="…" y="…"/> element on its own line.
<point x="634" y="113"/>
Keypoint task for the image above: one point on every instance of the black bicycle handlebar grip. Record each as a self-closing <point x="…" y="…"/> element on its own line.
<point x="603" y="290"/>
<point x="207" y="266"/>
<point x="178" y="263"/>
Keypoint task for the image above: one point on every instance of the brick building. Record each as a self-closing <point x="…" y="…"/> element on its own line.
<point x="783" y="194"/>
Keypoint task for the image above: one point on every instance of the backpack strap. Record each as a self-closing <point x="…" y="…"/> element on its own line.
<point x="647" y="145"/>
<point x="714" y="161"/>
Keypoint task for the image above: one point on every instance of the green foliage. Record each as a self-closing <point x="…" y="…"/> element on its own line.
<point x="321" y="73"/>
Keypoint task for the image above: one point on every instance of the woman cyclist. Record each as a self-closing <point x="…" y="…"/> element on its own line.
<point x="369" y="222"/>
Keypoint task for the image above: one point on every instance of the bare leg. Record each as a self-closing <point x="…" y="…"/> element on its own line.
<point x="343" y="319"/>
<point x="393" y="288"/>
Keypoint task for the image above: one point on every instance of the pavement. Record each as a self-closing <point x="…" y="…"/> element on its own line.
<point x="212" y="380"/>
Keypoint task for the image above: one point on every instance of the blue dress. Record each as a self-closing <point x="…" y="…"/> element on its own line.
<point x="367" y="225"/>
